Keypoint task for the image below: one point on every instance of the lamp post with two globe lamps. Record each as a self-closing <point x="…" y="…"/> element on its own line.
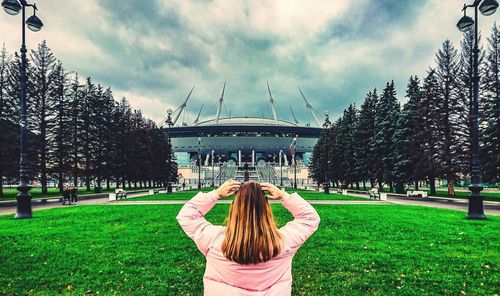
<point x="13" y="7"/>
<point x="486" y="7"/>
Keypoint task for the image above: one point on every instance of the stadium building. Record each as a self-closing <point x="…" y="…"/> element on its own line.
<point x="225" y="144"/>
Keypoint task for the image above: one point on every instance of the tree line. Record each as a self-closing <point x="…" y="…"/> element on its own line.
<point x="78" y="132"/>
<point x="425" y="139"/>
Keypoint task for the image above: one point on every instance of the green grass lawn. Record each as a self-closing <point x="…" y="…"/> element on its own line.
<point x="188" y="194"/>
<point x="11" y="193"/>
<point x="488" y="195"/>
<point x="141" y="250"/>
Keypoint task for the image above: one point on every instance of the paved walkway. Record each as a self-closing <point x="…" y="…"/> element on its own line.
<point x="55" y="203"/>
<point x="491" y="208"/>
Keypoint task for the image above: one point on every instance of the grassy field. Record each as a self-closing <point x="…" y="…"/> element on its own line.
<point x="11" y="193"/>
<point x="357" y="250"/>
<point x="488" y="195"/>
<point x="188" y="194"/>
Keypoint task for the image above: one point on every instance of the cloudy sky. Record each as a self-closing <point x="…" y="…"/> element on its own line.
<point x="153" y="51"/>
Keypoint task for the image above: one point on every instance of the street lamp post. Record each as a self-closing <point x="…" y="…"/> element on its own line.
<point x="169" y="146"/>
<point x="487" y="7"/>
<point x="294" y="143"/>
<point x="220" y="170"/>
<point x="213" y="177"/>
<point x="13" y="7"/>
<point x="327" y="125"/>
<point x="199" y="163"/>
<point x="281" y="168"/>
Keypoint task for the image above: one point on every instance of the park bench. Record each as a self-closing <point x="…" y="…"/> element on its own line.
<point x="418" y="193"/>
<point x="156" y="191"/>
<point x="121" y="195"/>
<point x="339" y="191"/>
<point x="374" y="194"/>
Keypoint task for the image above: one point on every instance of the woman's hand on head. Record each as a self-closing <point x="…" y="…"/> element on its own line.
<point x="274" y="192"/>
<point x="228" y="188"/>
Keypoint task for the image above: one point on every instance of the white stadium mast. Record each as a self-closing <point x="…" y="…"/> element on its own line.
<point x="275" y="117"/>
<point x="221" y="100"/>
<point x="310" y="109"/>
<point x="293" y="114"/>
<point x="181" y="107"/>
<point x="198" y="117"/>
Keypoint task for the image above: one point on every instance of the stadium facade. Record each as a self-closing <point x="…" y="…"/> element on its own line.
<point x="237" y="140"/>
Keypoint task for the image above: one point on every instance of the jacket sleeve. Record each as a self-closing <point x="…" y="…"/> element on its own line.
<point x="191" y="219"/>
<point x="306" y="220"/>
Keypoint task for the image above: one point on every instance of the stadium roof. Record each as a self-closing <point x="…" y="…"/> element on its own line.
<point x="246" y="121"/>
<point x="239" y="121"/>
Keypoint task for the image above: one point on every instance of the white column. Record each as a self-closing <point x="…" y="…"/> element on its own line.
<point x="280" y="157"/>
<point x="253" y="157"/>
<point x="239" y="158"/>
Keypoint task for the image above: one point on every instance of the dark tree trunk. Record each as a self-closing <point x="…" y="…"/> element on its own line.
<point x="61" y="181"/>
<point x="87" y="181"/>
<point x="1" y="183"/>
<point x="432" y="185"/>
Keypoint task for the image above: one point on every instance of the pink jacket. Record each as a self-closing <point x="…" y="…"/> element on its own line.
<point x="224" y="277"/>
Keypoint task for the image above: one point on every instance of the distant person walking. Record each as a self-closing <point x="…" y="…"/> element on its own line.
<point x="250" y="255"/>
<point x="66" y="195"/>
<point x="74" y="194"/>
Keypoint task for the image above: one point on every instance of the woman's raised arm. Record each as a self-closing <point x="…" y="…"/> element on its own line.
<point x="306" y="220"/>
<point x="191" y="216"/>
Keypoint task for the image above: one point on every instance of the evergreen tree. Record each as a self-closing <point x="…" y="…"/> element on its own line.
<point x="345" y="147"/>
<point x="107" y="136"/>
<point x="60" y="131"/>
<point x="363" y="134"/>
<point x="7" y="111"/>
<point x="465" y="85"/>
<point x="431" y="133"/>
<point x="387" y="111"/>
<point x="318" y="164"/>
<point x="490" y="131"/>
<point x="408" y="143"/>
<point x="40" y="105"/>
<point x="75" y="99"/>
<point x="453" y="117"/>
<point x="87" y="130"/>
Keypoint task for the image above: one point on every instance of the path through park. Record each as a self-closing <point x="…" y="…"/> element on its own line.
<point x="491" y="208"/>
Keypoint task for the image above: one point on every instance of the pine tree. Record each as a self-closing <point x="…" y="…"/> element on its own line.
<point x="490" y="131"/>
<point x="363" y="134"/>
<point x="107" y="136"/>
<point x="60" y="131"/>
<point x="387" y="112"/>
<point x="87" y="130"/>
<point x="75" y="99"/>
<point x="7" y="111"/>
<point x="345" y="146"/>
<point x="453" y="117"/>
<point x="407" y="143"/>
<point x="465" y="85"/>
<point x="40" y="105"/>
<point x="431" y="134"/>
<point x="318" y="164"/>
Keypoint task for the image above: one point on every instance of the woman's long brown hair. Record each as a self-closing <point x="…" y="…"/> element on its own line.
<point x="251" y="234"/>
